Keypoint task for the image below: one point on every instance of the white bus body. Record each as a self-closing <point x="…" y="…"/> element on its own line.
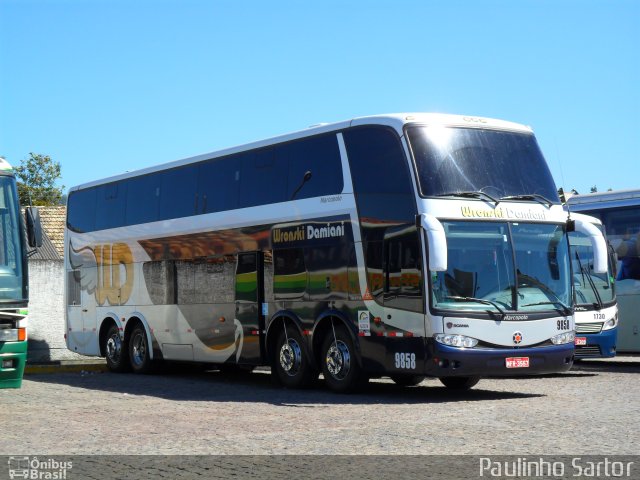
<point x="307" y="252"/>
<point x="619" y="212"/>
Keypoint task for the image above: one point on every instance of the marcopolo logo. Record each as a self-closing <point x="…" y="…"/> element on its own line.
<point x="38" y="468"/>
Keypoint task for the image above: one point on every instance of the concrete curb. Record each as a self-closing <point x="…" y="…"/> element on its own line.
<point x="64" y="368"/>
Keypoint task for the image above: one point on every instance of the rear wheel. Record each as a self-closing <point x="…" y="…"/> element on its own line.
<point x="291" y="365"/>
<point x="340" y="367"/>
<point x="115" y="351"/>
<point x="407" y="380"/>
<point x="139" y="354"/>
<point x="459" y="383"/>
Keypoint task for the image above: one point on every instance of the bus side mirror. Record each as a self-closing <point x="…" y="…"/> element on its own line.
<point x="34" y="227"/>
<point x="600" y="253"/>
<point x="436" y="241"/>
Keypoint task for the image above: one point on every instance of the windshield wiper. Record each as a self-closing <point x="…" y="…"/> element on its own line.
<point x="530" y="196"/>
<point x="565" y="309"/>
<point x="477" y="300"/>
<point x="470" y="194"/>
<point x="585" y="271"/>
<point x="534" y="282"/>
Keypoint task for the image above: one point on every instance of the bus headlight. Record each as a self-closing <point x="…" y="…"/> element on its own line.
<point x="611" y="323"/>
<point x="568" y="337"/>
<point x="456" y="340"/>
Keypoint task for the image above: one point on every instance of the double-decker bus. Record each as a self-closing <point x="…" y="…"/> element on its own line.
<point x="14" y="287"/>
<point x="619" y="212"/>
<point x="403" y="245"/>
<point x="596" y="311"/>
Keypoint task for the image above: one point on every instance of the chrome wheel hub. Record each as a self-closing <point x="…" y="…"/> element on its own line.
<point x="290" y="357"/>
<point x="139" y="350"/>
<point x="114" y="348"/>
<point x="338" y="360"/>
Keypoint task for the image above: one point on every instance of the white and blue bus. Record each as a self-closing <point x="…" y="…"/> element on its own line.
<point x="619" y="212"/>
<point x="596" y="310"/>
<point x="403" y="245"/>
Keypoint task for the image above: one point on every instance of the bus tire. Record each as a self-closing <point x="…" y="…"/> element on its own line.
<point x="459" y="383"/>
<point x="139" y="352"/>
<point x="340" y="368"/>
<point x="291" y="364"/>
<point x="407" y="380"/>
<point x="115" y="351"/>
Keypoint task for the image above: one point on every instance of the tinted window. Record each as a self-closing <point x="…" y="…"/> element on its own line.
<point x="378" y="163"/>
<point x="178" y="192"/>
<point x="110" y="206"/>
<point x="82" y="210"/>
<point x="219" y="184"/>
<point x="623" y="231"/>
<point x="320" y="156"/>
<point x="143" y="199"/>
<point x="403" y="278"/>
<point x="264" y="177"/>
<point x="380" y="174"/>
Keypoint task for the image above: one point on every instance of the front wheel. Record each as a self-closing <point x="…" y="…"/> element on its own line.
<point x="139" y="354"/>
<point x="340" y="367"/>
<point x="291" y="365"/>
<point x="115" y="351"/>
<point x="459" y="383"/>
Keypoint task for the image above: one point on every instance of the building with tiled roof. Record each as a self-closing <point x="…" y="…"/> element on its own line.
<point x="53" y="220"/>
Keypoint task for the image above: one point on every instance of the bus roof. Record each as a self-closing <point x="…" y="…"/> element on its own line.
<point x="612" y="199"/>
<point x="394" y="120"/>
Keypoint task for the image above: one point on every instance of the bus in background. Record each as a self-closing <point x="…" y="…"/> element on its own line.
<point x="14" y="287"/>
<point x="596" y="312"/>
<point x="403" y="245"/>
<point x="619" y="212"/>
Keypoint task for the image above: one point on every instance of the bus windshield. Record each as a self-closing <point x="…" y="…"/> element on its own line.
<point x="498" y="163"/>
<point x="591" y="288"/>
<point x="11" y="275"/>
<point x="497" y="267"/>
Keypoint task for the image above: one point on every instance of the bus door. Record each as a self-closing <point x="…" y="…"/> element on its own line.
<point x="248" y="303"/>
<point x="81" y="312"/>
<point x="403" y="297"/>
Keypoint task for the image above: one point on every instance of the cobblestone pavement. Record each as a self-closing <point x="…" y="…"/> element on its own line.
<point x="591" y="410"/>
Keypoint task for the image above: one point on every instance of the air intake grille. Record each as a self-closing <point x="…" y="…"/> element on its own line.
<point x="588" y="351"/>
<point x="588" y="327"/>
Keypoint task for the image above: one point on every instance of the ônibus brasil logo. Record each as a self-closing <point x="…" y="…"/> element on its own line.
<point x="35" y="468"/>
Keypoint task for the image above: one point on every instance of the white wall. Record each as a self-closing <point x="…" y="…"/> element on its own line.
<point x="46" y="313"/>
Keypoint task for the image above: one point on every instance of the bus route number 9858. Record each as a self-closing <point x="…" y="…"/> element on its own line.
<point x="406" y="361"/>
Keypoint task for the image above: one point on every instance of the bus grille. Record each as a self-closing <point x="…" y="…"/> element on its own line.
<point x="588" y="327"/>
<point x="587" y="351"/>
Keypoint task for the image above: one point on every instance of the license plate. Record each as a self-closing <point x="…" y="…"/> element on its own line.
<point x="581" y="341"/>
<point x="517" y="362"/>
<point x="8" y="335"/>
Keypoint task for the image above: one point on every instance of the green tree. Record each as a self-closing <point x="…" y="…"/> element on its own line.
<point x="37" y="176"/>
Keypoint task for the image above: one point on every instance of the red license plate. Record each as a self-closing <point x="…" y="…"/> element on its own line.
<point x="517" y="362"/>
<point x="581" y="341"/>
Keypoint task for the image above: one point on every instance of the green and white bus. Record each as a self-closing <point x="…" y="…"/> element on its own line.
<point x="14" y="287"/>
<point x="400" y="245"/>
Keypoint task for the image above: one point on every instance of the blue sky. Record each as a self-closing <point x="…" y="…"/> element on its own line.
<point x="109" y="86"/>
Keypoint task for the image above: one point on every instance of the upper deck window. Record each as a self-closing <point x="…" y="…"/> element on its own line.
<point x="499" y="163"/>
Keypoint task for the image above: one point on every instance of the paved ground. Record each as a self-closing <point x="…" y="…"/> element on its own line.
<point x="591" y="410"/>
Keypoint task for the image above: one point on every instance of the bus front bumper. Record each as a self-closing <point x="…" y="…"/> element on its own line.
<point x="13" y="357"/>
<point x="446" y="361"/>
<point x="598" y="345"/>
